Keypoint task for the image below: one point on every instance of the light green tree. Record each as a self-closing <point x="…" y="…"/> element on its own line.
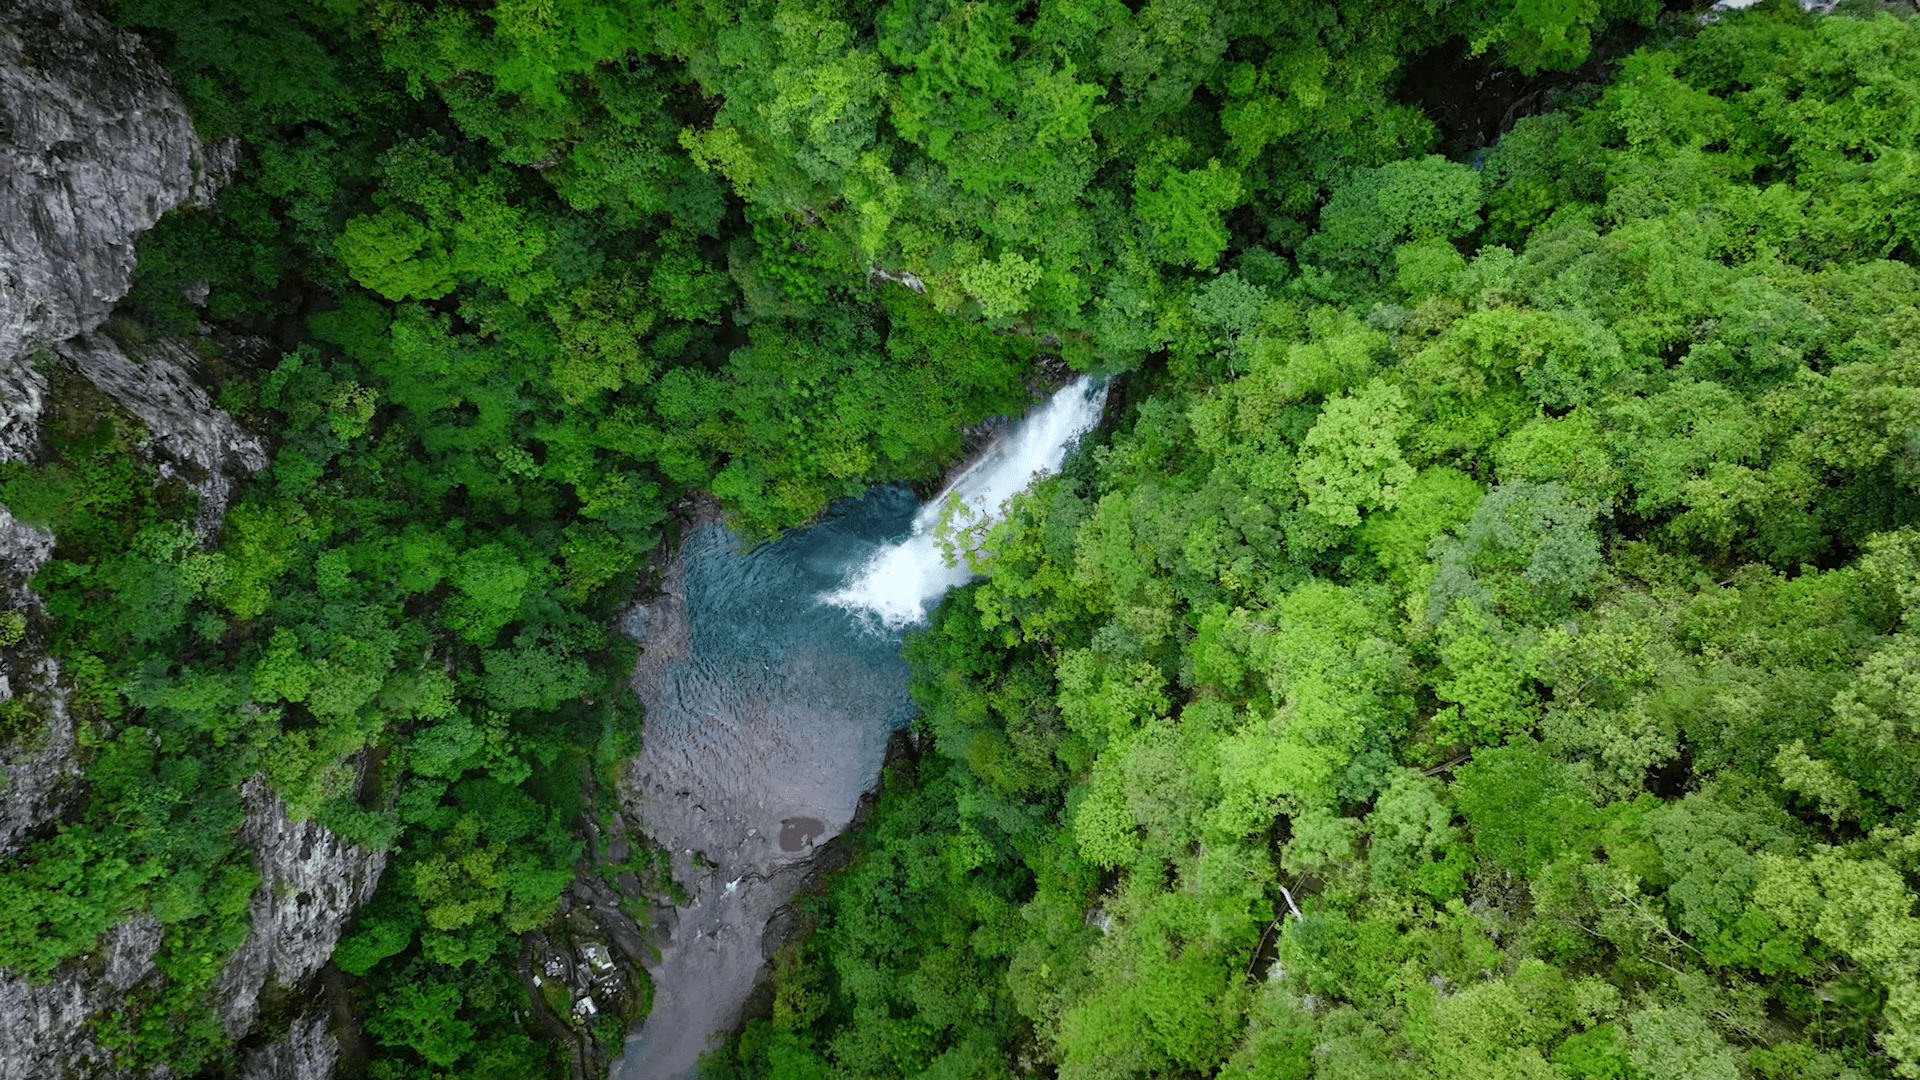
<point x="1350" y="460"/>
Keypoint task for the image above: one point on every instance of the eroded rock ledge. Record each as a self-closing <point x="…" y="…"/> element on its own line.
<point x="94" y="146"/>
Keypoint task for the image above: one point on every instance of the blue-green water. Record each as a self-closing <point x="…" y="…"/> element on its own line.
<point x="778" y="699"/>
<point x="768" y="715"/>
<point x="772" y="681"/>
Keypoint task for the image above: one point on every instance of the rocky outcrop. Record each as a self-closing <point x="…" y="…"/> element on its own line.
<point x="46" y="1030"/>
<point x="37" y="772"/>
<point x="94" y="146"/>
<point x="188" y="437"/>
<point x="311" y="883"/>
<point x="308" y="1052"/>
<point x="40" y="773"/>
<point x="23" y="392"/>
<point x="23" y="551"/>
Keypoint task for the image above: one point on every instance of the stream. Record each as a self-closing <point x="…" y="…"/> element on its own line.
<point x="772" y="681"/>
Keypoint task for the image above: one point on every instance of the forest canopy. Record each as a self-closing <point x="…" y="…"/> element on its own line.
<point x="1483" y="642"/>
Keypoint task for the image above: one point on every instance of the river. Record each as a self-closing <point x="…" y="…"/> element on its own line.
<point x="772" y="681"/>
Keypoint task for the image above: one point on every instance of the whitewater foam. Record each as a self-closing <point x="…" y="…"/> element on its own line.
<point x="898" y="582"/>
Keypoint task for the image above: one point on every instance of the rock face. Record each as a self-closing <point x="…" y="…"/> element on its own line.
<point x="39" y="775"/>
<point x="22" y="395"/>
<point x="309" y="1052"/>
<point x="94" y="147"/>
<point x="187" y="435"/>
<point x="44" y="1029"/>
<point x="311" y="883"/>
<point x="188" y="438"/>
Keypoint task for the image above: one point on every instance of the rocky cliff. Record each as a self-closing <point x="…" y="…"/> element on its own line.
<point x="188" y="438"/>
<point x="22" y="395"/>
<point x="94" y="146"/>
<point x="40" y="772"/>
<point x="44" y="1028"/>
<point x="311" y="883"/>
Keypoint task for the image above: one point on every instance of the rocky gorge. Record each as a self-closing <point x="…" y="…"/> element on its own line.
<point x="776" y="695"/>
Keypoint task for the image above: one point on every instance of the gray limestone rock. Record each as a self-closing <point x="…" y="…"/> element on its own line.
<point x="23" y="551"/>
<point x="187" y="434"/>
<point x="23" y="391"/>
<point x="94" y="146"/>
<point x="40" y="773"/>
<point x="46" y="1030"/>
<point x="308" y="1052"/>
<point x="189" y="438"/>
<point x="311" y="883"/>
<point x="36" y="773"/>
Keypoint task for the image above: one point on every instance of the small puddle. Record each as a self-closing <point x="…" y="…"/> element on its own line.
<point x="799" y="833"/>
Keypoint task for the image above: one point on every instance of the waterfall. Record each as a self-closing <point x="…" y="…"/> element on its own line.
<point x="769" y="710"/>
<point x="898" y="582"/>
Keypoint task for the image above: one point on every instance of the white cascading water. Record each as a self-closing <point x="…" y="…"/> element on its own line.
<point x="898" y="583"/>
<point x="769" y="711"/>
